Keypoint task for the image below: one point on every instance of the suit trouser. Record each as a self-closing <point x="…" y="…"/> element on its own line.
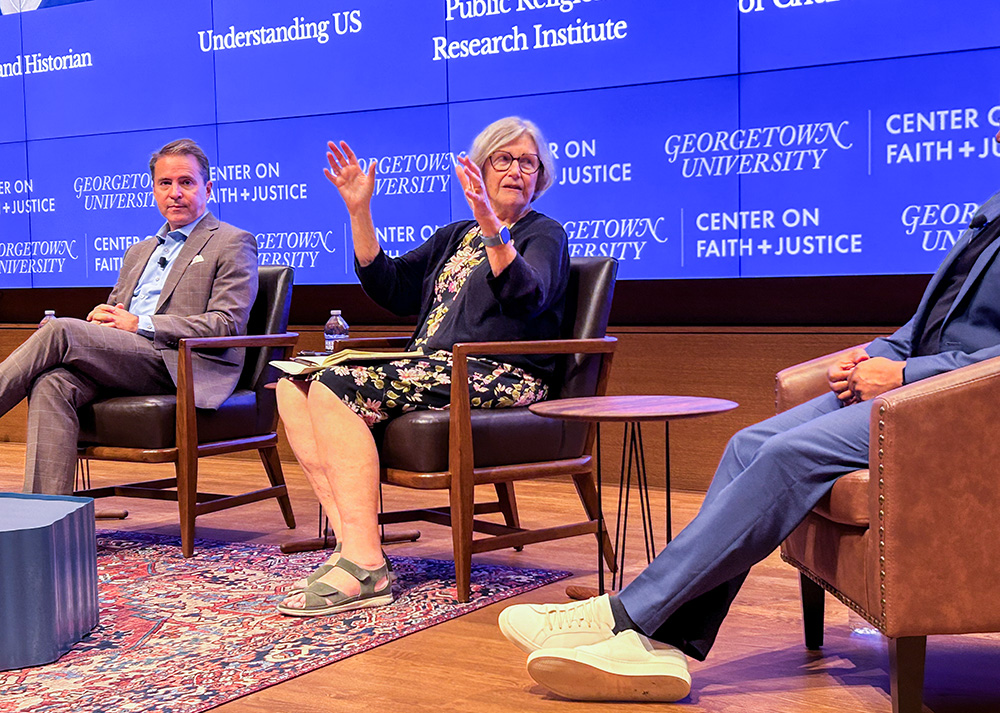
<point x="61" y="367"/>
<point x="770" y="477"/>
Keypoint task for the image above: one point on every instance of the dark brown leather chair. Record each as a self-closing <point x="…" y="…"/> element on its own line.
<point x="456" y="450"/>
<point x="169" y="429"/>
<point x="912" y="543"/>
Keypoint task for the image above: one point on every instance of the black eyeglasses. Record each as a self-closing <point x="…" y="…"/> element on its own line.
<point x="527" y="162"/>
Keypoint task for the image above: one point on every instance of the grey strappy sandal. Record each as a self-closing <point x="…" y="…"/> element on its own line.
<point x="323" y="599"/>
<point x="300" y="585"/>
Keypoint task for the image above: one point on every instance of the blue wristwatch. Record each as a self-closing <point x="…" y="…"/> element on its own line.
<point x="501" y="238"/>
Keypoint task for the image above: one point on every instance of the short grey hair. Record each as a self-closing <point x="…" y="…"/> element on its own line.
<point x="182" y="147"/>
<point x="511" y="128"/>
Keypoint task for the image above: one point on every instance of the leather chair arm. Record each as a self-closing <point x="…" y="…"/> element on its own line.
<point x="797" y="384"/>
<point x="934" y="500"/>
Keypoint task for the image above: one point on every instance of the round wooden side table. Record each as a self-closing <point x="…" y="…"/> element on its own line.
<point x="633" y="411"/>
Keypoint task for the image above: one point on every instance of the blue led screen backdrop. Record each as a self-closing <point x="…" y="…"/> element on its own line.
<point x="709" y="139"/>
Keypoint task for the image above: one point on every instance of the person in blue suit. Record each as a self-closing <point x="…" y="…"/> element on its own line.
<point x="633" y="646"/>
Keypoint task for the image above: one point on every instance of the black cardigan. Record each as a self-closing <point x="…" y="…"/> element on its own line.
<point x="525" y="302"/>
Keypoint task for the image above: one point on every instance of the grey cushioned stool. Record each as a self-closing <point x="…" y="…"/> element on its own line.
<point x="48" y="586"/>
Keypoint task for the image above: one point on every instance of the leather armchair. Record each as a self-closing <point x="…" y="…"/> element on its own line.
<point x="912" y="543"/>
<point x="169" y="429"/>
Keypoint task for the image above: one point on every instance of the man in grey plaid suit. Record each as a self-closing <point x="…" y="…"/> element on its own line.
<point x="196" y="277"/>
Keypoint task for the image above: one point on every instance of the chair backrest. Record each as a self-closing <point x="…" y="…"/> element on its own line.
<point x="269" y="315"/>
<point x="588" y="305"/>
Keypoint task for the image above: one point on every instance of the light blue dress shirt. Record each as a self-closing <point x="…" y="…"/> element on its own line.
<point x="150" y="285"/>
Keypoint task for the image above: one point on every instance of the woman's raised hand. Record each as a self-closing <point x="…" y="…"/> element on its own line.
<point x="474" y="188"/>
<point x="356" y="187"/>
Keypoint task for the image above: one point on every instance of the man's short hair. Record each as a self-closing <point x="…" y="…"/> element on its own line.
<point x="181" y="147"/>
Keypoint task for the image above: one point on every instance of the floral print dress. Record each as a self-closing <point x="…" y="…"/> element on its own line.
<point x="380" y="391"/>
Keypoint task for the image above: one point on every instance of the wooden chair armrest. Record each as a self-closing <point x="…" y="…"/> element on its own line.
<point x="797" y="384"/>
<point x="185" y="377"/>
<point x="604" y="345"/>
<point x="934" y="452"/>
<point x="187" y="429"/>
<point x="285" y="339"/>
<point x="460" y="421"/>
<point x="393" y="343"/>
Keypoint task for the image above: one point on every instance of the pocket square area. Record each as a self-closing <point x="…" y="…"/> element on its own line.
<point x="197" y="259"/>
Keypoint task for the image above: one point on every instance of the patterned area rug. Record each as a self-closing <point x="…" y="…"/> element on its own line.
<point x="184" y="635"/>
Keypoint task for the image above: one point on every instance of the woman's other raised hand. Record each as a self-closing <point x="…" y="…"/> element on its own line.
<point x="355" y="185"/>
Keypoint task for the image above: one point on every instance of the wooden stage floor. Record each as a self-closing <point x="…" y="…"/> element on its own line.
<point x="759" y="664"/>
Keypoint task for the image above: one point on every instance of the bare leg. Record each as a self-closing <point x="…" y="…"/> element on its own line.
<point x="293" y="406"/>
<point x="345" y="457"/>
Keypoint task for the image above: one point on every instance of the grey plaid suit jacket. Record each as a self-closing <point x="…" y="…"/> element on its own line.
<point x="209" y="291"/>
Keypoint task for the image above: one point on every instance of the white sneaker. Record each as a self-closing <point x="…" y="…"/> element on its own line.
<point x="537" y="626"/>
<point x="628" y="667"/>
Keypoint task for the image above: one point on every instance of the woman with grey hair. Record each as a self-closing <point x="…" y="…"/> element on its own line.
<point x="500" y="276"/>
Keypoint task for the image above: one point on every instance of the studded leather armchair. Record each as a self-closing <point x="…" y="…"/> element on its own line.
<point x="913" y="543"/>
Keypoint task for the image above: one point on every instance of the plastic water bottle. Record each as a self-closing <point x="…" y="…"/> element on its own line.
<point x="49" y="314"/>
<point x="335" y="329"/>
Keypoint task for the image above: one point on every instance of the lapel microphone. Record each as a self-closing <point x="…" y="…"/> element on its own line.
<point x="162" y="262"/>
<point x="978" y="222"/>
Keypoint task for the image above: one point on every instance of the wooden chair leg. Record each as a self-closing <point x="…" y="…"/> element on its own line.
<point x="508" y="506"/>
<point x="813" y="603"/>
<point x="586" y="488"/>
<point x="906" y="673"/>
<point x="272" y="465"/>
<point x="187" y="500"/>
<point x="462" y="504"/>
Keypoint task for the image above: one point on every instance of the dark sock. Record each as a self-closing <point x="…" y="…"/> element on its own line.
<point x="623" y="621"/>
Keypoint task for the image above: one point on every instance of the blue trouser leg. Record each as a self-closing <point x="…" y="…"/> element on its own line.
<point x="769" y="478"/>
